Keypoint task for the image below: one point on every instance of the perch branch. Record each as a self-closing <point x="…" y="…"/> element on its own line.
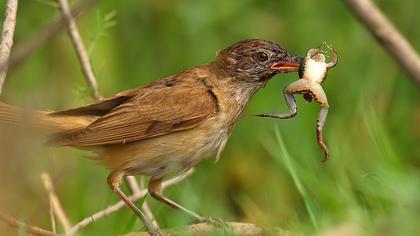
<point x="8" y="31"/>
<point x="55" y="202"/>
<point x="28" y="228"/>
<point x="387" y="35"/>
<point x="25" y="49"/>
<point x="117" y="206"/>
<point x="80" y="49"/>
<point x="234" y="228"/>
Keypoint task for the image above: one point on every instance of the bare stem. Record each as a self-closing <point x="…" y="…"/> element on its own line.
<point x="8" y="31"/>
<point x="52" y="217"/>
<point x="136" y="188"/>
<point x="25" y="49"/>
<point x="117" y="206"/>
<point x="28" y="228"/>
<point x="387" y="35"/>
<point x="80" y="49"/>
<point x="55" y="202"/>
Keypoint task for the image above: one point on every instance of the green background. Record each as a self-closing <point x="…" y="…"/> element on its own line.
<point x="371" y="184"/>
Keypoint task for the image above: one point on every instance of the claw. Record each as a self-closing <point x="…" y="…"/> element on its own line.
<point x="155" y="231"/>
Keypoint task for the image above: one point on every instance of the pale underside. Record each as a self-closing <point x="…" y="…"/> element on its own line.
<point x="315" y="71"/>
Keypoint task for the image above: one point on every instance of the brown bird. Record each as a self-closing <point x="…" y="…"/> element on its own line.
<point x="168" y="126"/>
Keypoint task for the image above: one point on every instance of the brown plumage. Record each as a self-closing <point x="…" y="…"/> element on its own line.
<point x="168" y="126"/>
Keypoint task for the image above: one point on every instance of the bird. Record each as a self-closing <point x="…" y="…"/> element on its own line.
<point x="168" y="126"/>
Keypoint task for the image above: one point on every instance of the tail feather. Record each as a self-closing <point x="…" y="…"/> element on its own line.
<point x="13" y="115"/>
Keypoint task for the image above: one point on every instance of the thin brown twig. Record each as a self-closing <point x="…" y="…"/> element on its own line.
<point x="26" y="48"/>
<point x="28" y="228"/>
<point x="52" y="217"/>
<point x="55" y="202"/>
<point x="80" y="49"/>
<point x="135" y="188"/>
<point x="146" y="208"/>
<point x="7" y="34"/>
<point x="117" y="206"/>
<point x="387" y="35"/>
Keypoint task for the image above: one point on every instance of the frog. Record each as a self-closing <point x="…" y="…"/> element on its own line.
<point x="312" y="73"/>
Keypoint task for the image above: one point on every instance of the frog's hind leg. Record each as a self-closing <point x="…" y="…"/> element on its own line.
<point x="321" y="98"/>
<point x="295" y="87"/>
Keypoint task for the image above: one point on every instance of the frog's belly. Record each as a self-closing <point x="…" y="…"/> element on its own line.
<point x="167" y="154"/>
<point x="315" y="71"/>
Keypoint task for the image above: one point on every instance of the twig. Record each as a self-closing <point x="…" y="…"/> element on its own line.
<point x="8" y="31"/>
<point x="136" y="188"/>
<point x="387" y="35"/>
<point x="146" y="207"/>
<point x="52" y="217"/>
<point x="117" y="206"/>
<point x="80" y="49"/>
<point x="23" y="50"/>
<point x="55" y="202"/>
<point x="28" y="228"/>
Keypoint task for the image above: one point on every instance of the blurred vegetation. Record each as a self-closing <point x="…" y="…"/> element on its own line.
<point x="372" y="181"/>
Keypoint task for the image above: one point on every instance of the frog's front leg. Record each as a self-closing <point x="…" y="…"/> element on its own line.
<point x="297" y="86"/>
<point x="334" y="58"/>
<point x="321" y="98"/>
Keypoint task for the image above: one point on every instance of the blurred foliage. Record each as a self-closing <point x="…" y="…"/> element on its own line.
<point x="373" y="130"/>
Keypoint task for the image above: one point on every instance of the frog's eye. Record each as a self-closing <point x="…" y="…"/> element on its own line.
<point x="262" y="56"/>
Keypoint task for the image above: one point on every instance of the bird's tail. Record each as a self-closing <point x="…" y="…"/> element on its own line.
<point x="16" y="116"/>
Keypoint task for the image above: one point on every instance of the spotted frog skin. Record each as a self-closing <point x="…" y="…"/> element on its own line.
<point x="312" y="73"/>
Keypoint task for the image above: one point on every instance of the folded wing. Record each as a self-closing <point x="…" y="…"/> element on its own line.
<point x="163" y="107"/>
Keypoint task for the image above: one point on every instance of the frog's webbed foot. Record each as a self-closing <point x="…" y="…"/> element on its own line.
<point x="291" y="103"/>
<point x="334" y="59"/>
<point x="293" y="88"/>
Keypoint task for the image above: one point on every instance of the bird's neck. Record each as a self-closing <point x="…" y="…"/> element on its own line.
<point x="234" y="94"/>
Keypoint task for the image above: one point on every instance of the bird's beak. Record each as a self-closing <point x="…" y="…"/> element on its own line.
<point x="290" y="65"/>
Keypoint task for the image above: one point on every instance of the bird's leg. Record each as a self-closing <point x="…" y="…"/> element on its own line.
<point x="297" y="86"/>
<point x="114" y="181"/>
<point x="155" y="190"/>
<point x="321" y="98"/>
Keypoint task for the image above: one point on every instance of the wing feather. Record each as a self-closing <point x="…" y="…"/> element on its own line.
<point x="154" y="110"/>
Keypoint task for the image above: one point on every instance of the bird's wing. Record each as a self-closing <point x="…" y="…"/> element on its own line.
<point x="163" y="107"/>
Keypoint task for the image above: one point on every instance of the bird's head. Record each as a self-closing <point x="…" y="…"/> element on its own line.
<point x="256" y="60"/>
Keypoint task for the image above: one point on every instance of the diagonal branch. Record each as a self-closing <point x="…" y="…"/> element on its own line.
<point x="387" y="35"/>
<point x="28" y="228"/>
<point x="56" y="207"/>
<point x="25" y="49"/>
<point x="117" y="206"/>
<point x="135" y="189"/>
<point x="8" y="31"/>
<point x="80" y="49"/>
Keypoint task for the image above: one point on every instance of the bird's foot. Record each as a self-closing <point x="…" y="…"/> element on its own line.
<point x="154" y="230"/>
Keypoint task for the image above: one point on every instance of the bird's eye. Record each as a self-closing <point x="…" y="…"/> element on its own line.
<point x="262" y="56"/>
